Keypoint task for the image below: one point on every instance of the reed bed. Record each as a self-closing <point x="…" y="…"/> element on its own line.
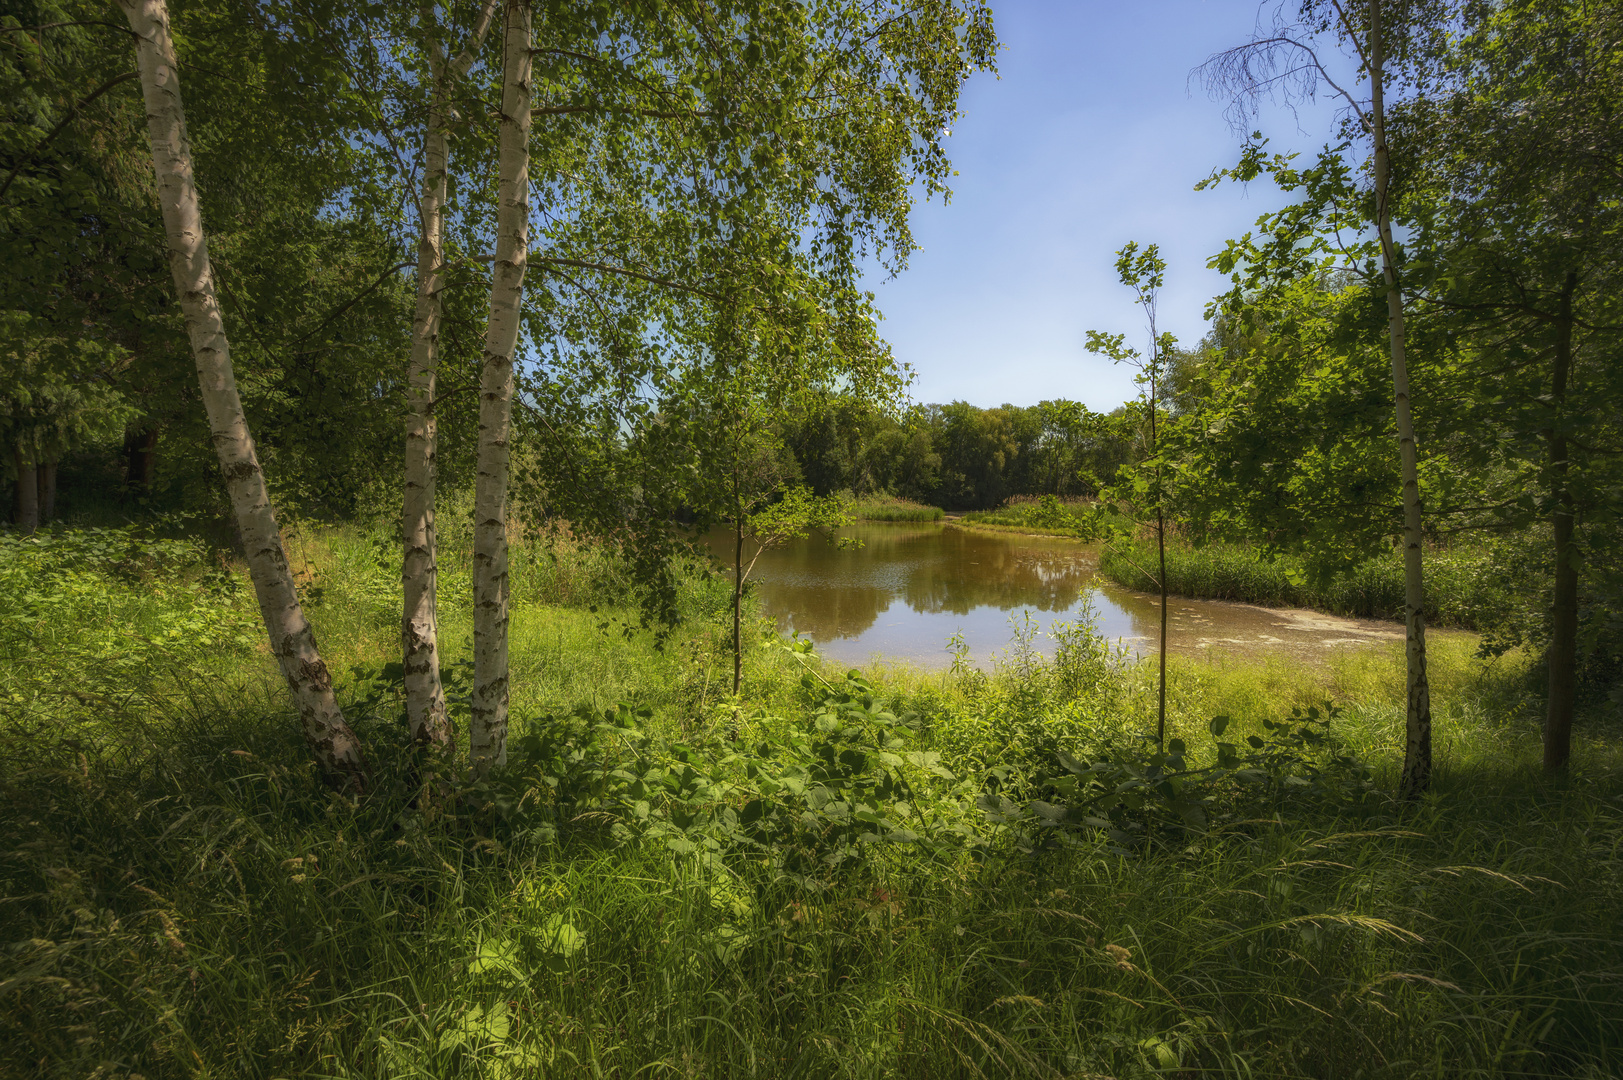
<point x="891" y="508"/>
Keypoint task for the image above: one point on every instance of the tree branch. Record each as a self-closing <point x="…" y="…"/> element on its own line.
<point x="610" y="269"/>
<point x="75" y="22"/>
<point x="62" y="126"/>
<point x="351" y="302"/>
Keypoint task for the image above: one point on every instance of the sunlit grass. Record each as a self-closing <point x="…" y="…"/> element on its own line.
<point x="183" y="898"/>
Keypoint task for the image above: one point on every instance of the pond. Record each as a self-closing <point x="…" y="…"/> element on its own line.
<point x="910" y="588"/>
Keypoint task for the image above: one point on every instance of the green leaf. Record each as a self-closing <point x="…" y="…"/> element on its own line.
<point x="560" y="937"/>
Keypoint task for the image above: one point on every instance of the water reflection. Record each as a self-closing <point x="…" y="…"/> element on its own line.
<point x="909" y="588"/>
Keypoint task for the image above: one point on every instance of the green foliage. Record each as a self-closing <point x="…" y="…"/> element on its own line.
<point x="794" y="515"/>
<point x="1138" y="793"/>
<point x="57" y="397"/>
<point x="958" y="455"/>
<point x="306" y="259"/>
<point x="87" y="614"/>
<point x="807" y="804"/>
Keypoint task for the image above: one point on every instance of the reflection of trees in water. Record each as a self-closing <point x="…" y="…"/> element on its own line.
<point x="824" y="613"/>
<point x="998" y="574"/>
<point x="827" y="593"/>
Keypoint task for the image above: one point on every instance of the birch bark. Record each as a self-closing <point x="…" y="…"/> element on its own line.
<point x="331" y="741"/>
<point x="487" y="735"/>
<point x="1417" y="744"/>
<point x="419" y="625"/>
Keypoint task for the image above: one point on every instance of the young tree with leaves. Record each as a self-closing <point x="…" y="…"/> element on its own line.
<point x="1145" y="273"/>
<point x="1515" y="151"/>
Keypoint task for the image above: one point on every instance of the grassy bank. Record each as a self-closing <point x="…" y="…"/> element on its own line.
<point x="1045" y="515"/>
<point x="968" y="522"/>
<point x="182" y="897"/>
<point x="1461" y="586"/>
<point x="890" y="508"/>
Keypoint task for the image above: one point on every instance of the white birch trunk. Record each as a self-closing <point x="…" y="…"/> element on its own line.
<point x="333" y="744"/>
<point x="1417" y="742"/>
<point x="487" y="735"/>
<point x="419" y="625"/>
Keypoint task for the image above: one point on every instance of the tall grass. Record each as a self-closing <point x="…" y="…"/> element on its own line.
<point x="1047" y="515"/>
<point x="180" y="896"/>
<point x="878" y="507"/>
<point x="1462" y="587"/>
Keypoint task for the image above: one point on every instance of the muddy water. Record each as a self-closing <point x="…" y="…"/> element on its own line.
<point x="909" y="588"/>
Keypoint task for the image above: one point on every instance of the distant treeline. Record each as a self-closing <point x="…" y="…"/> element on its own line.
<point x="959" y="456"/>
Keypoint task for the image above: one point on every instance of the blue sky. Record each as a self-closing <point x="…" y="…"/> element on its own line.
<point x="1094" y="135"/>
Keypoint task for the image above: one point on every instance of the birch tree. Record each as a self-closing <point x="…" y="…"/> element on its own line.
<point x="1417" y="746"/>
<point x="487" y="735"/>
<point x="665" y="131"/>
<point x="291" y="639"/>
<point x="419" y="626"/>
<point x="1284" y="61"/>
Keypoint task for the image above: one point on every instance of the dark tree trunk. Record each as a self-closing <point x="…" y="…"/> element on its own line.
<point x="1161" y="685"/>
<point x="45" y="488"/>
<point x="26" y="509"/>
<point x="1563" y="655"/>
<point x="141" y="453"/>
<point x="738" y="605"/>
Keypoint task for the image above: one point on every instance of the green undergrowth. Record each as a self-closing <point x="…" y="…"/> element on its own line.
<point x="1463" y="587"/>
<point x="905" y="874"/>
<point x="878" y="507"/>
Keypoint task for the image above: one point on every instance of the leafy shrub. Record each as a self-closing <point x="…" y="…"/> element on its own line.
<point x="814" y="802"/>
<point x="87" y="613"/>
<point x="1140" y="792"/>
<point x="1031" y="706"/>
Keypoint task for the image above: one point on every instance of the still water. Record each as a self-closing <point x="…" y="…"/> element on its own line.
<point x="909" y="588"/>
